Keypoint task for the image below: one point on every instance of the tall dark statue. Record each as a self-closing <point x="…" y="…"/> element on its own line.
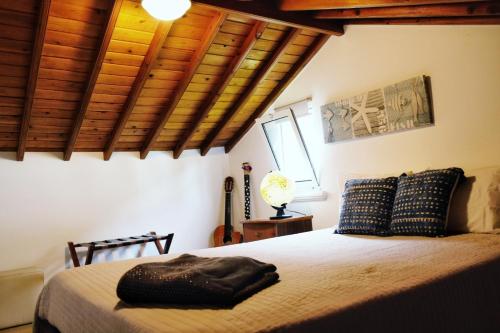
<point x="247" y="168"/>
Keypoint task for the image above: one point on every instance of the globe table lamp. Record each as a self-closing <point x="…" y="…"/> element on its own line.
<point x="277" y="190"/>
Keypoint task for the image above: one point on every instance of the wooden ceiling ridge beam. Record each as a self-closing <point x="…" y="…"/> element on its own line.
<point x="278" y="90"/>
<point x="247" y="94"/>
<point x="485" y="8"/>
<point x="207" y="40"/>
<point x="473" y="20"/>
<point x="154" y="49"/>
<point x="308" y="5"/>
<point x="254" y="35"/>
<point x="267" y="10"/>
<point x="113" y="13"/>
<point x="36" y="55"/>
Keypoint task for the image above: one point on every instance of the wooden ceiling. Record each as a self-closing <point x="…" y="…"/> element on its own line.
<point x="397" y="11"/>
<point x="103" y="75"/>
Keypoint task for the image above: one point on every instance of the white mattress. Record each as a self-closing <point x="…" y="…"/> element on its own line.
<point x="321" y="273"/>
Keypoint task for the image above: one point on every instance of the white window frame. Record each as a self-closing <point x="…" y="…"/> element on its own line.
<point x="308" y="192"/>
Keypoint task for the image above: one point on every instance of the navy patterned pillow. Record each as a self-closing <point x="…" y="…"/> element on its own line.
<point x="367" y="206"/>
<point x="422" y="201"/>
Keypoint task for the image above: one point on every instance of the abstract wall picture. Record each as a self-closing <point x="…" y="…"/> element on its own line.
<point x="401" y="106"/>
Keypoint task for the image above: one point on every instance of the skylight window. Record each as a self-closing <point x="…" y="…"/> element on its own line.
<point x="288" y="132"/>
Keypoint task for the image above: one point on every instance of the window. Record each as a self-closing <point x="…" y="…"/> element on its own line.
<point x="289" y="132"/>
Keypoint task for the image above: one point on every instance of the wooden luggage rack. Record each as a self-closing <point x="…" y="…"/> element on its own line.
<point x="119" y="242"/>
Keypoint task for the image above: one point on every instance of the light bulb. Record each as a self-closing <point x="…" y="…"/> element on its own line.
<point x="166" y="10"/>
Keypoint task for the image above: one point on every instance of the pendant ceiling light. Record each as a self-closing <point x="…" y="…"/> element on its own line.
<point x="166" y="10"/>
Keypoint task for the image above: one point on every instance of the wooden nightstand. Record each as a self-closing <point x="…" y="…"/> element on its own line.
<point x="265" y="228"/>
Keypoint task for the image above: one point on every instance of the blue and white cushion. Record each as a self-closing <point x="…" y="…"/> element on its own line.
<point x="422" y="201"/>
<point x="367" y="206"/>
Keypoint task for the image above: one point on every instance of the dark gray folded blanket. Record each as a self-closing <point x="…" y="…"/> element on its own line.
<point x="188" y="279"/>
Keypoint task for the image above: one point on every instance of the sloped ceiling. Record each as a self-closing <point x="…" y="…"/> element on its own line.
<point x="103" y="75"/>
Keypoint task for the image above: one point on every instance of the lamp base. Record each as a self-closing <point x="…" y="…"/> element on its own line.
<point x="279" y="217"/>
<point x="280" y="213"/>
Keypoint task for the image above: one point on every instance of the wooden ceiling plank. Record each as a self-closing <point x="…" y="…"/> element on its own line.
<point x="36" y="55"/>
<point x="266" y="10"/>
<point x="486" y="8"/>
<point x="209" y="36"/>
<point x="217" y="91"/>
<point x="154" y="49"/>
<point x="305" y="5"/>
<point x="278" y="90"/>
<point x="248" y="93"/>
<point x="89" y="90"/>
<point x="478" y="20"/>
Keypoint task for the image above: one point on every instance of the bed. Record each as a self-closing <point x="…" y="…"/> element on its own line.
<point x="329" y="283"/>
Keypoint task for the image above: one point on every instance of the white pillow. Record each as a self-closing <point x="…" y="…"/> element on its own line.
<point x="475" y="206"/>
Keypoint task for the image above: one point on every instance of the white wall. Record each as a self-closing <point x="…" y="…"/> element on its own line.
<point x="45" y="202"/>
<point x="464" y="65"/>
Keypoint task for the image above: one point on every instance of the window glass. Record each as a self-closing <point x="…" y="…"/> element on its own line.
<point x="287" y="150"/>
<point x="289" y="132"/>
<point x="312" y="137"/>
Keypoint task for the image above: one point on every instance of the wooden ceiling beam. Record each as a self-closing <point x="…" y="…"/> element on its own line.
<point x="304" y="5"/>
<point x="36" y="55"/>
<point x="266" y="10"/>
<point x="486" y="8"/>
<point x="245" y="96"/>
<point x="278" y="90"/>
<point x="114" y="11"/>
<point x="207" y="39"/>
<point x="478" y="20"/>
<point x="154" y="49"/>
<point x="231" y="70"/>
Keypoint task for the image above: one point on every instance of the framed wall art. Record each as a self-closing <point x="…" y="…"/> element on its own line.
<point x="400" y="106"/>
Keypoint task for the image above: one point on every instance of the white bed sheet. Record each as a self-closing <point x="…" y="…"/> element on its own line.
<point x="321" y="274"/>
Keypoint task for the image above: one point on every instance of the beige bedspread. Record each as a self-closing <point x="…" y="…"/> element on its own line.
<point x="322" y="275"/>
